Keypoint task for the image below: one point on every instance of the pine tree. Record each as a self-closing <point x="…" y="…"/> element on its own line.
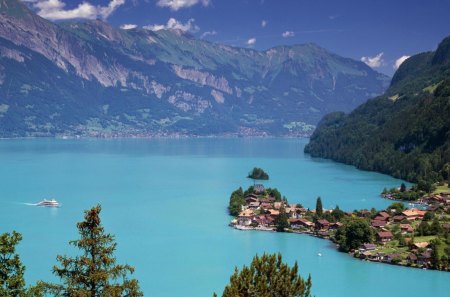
<point x="94" y="273"/>
<point x="268" y="276"/>
<point x="319" y="208"/>
<point x="12" y="282"/>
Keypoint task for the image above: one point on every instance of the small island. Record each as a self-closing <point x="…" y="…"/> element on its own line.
<point x="258" y="174"/>
<point x="413" y="237"/>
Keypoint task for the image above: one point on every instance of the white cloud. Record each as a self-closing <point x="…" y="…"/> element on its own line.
<point x="179" y="4"/>
<point x="208" y="33"/>
<point x="375" y="61"/>
<point x="264" y="23"/>
<point x="55" y="10"/>
<point x="399" y="61"/>
<point x="155" y="27"/>
<point x="173" y="24"/>
<point x="128" y="26"/>
<point x="251" y="41"/>
<point x="288" y="34"/>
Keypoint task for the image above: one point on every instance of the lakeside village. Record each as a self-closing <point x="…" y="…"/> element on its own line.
<point x="398" y="235"/>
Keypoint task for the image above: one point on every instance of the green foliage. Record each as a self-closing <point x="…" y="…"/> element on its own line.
<point x="413" y="194"/>
<point x="258" y="173"/>
<point x="429" y="215"/>
<point x="319" y="208"/>
<point x="94" y="273"/>
<point x="273" y="192"/>
<point x="353" y="233"/>
<point x="398" y="207"/>
<point x="404" y="133"/>
<point x="435" y="227"/>
<point x="268" y="276"/>
<point x="282" y="220"/>
<point x="237" y="200"/>
<point x="12" y="282"/>
<point x="337" y="214"/>
<point x="402" y="187"/>
<point x="423" y="229"/>
<point x="440" y="254"/>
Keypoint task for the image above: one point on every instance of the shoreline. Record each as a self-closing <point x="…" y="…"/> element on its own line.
<point x="313" y="234"/>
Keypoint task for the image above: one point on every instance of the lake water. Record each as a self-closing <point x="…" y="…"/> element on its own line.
<point x="165" y="200"/>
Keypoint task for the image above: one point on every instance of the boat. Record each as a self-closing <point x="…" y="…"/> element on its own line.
<point x="319" y="254"/>
<point x="48" y="203"/>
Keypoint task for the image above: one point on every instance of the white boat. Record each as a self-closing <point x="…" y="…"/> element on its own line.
<point x="48" y="203"/>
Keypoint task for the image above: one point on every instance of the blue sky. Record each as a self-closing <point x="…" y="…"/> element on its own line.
<point x="379" y="32"/>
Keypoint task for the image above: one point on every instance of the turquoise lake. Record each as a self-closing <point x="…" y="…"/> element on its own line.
<point x="165" y="201"/>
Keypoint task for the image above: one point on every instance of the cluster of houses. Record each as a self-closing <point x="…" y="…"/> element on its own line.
<point x="261" y="211"/>
<point x="442" y="199"/>
<point x="417" y="254"/>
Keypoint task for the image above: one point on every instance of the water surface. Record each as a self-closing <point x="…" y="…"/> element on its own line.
<point x="165" y="200"/>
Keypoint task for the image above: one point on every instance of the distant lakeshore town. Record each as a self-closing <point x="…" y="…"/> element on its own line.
<point x="415" y="236"/>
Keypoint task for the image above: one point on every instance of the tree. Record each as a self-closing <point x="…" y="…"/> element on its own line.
<point x="429" y="215"/>
<point x="398" y="207"/>
<point x="319" y="208"/>
<point x="94" y="273"/>
<point x="435" y="227"/>
<point x="273" y="192"/>
<point x="403" y="187"/>
<point x="337" y="214"/>
<point x="237" y="200"/>
<point x="282" y="221"/>
<point x="353" y="233"/>
<point x="268" y="276"/>
<point x="423" y="229"/>
<point x="12" y="282"/>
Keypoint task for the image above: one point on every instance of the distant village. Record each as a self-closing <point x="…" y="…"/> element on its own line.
<point x="415" y="237"/>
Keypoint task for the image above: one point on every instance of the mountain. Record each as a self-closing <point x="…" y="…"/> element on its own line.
<point x="88" y="78"/>
<point x="405" y="132"/>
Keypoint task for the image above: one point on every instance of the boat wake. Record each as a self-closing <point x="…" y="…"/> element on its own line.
<point x="44" y="203"/>
<point x="29" y="204"/>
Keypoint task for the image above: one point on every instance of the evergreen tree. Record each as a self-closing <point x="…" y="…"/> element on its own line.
<point x="94" y="273"/>
<point x="319" y="208"/>
<point x="402" y="187"/>
<point x="282" y="220"/>
<point x="12" y="282"/>
<point x="268" y="276"/>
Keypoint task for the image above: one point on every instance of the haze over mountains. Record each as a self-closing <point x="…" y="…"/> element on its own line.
<point x="88" y="78"/>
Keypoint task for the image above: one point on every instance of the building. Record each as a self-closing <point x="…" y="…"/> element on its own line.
<point x="322" y="224"/>
<point x="406" y="228"/>
<point x="377" y="224"/>
<point x="414" y="214"/>
<point x="245" y="217"/>
<point x="258" y="188"/>
<point x="384" y="236"/>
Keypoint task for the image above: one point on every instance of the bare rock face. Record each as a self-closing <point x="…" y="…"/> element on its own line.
<point x="203" y="78"/>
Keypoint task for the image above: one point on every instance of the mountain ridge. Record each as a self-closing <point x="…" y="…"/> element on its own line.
<point x="137" y="82"/>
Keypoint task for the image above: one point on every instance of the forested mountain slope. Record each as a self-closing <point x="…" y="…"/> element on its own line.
<point x="405" y="132"/>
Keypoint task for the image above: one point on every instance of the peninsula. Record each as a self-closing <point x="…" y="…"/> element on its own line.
<point x="398" y="235"/>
